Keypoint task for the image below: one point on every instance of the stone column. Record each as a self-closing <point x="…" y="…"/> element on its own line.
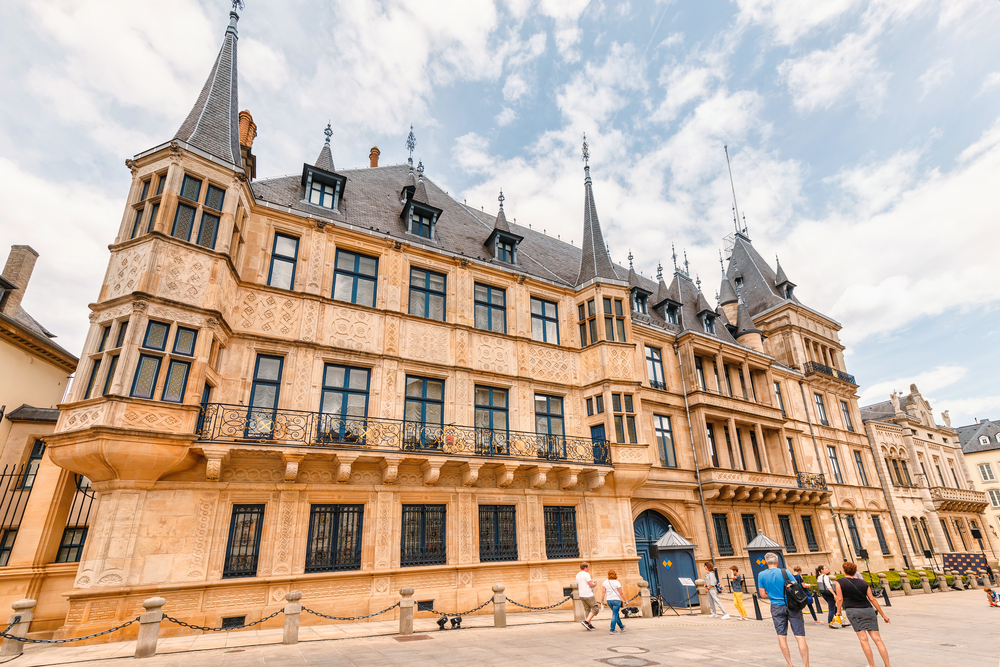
<point x="149" y="627"/>
<point x="292" y="611"/>
<point x="499" y="606"/>
<point x="25" y="609"/>
<point x="406" y="611"/>
<point x="645" y="603"/>
<point x="703" y="596"/>
<point x="925" y="584"/>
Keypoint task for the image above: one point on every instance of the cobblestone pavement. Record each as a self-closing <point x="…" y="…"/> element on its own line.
<point x="951" y="629"/>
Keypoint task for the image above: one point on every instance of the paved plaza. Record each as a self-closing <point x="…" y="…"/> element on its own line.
<point x="954" y="629"/>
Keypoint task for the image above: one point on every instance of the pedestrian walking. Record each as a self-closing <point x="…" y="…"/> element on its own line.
<point x="808" y="588"/>
<point x="586" y="587"/>
<point x="771" y="583"/>
<point x="713" y="586"/>
<point x="739" y="582"/>
<point x="613" y="595"/>
<point x="827" y="588"/>
<point x="855" y="597"/>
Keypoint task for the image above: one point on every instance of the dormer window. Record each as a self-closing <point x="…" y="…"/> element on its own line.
<point x="708" y="322"/>
<point x="322" y="194"/>
<point x="739" y="284"/>
<point x="504" y="245"/>
<point x="788" y="291"/>
<point x="322" y="188"/>
<point x="505" y="251"/>
<point x="640" y="302"/>
<point x="421" y="223"/>
<point x="673" y="313"/>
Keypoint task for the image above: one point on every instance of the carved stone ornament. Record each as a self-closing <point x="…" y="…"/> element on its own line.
<point x="139" y="306"/>
<point x="94" y="317"/>
<point x="505" y="475"/>
<point x="470" y="473"/>
<point x="133" y="167"/>
<point x="292" y="466"/>
<point x="390" y="470"/>
<point x="568" y="479"/>
<point x="595" y="480"/>
<point x="521" y="278"/>
<point x="342" y="467"/>
<point x="432" y="472"/>
<point x="463" y="262"/>
<point x="213" y="463"/>
<point x="320" y="224"/>
<point x="537" y="477"/>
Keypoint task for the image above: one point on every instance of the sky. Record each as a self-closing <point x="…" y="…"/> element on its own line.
<point x="864" y="139"/>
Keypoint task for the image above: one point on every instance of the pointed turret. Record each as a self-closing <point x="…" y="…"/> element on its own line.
<point x="213" y="125"/>
<point x="596" y="262"/>
<point x="502" y="242"/>
<point x="781" y="281"/>
<point x="420" y="194"/>
<point x="727" y="293"/>
<point x="325" y="159"/>
<point x="746" y="332"/>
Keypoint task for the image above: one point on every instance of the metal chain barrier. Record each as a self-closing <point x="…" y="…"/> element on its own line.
<point x="461" y="613"/>
<point x="551" y="606"/>
<point x="204" y="628"/>
<point x="28" y="640"/>
<point x="633" y="598"/>
<point x="350" y="618"/>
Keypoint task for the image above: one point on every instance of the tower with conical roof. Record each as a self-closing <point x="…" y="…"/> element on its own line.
<point x="595" y="263"/>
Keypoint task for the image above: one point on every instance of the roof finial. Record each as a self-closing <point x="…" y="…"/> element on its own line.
<point x="501" y="198"/>
<point x="586" y="152"/>
<point x="697" y="280"/>
<point x="687" y="266"/>
<point x="745" y="231"/>
<point x="420" y="168"/>
<point x="659" y="271"/>
<point x="238" y="4"/>
<point x="328" y="131"/>
<point x="722" y="265"/>
<point x="673" y="252"/>
<point x="736" y="206"/>
<point x="630" y="258"/>
<point x="411" y="143"/>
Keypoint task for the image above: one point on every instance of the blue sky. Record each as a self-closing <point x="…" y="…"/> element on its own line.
<point x="865" y="139"/>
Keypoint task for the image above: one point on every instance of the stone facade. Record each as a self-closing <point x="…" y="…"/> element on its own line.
<point x="981" y="448"/>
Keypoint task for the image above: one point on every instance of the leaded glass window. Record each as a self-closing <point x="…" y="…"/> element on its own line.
<point x="191" y="188"/>
<point x="184" y="341"/>
<point x="214" y="197"/>
<point x="146" y="373"/>
<point x="183" y="222"/>
<point x="209" y="230"/>
<point x="156" y="336"/>
<point x="177" y="375"/>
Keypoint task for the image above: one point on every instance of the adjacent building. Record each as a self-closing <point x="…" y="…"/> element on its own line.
<point x="981" y="446"/>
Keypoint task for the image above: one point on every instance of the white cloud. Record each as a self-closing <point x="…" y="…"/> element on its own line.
<point x="927" y="382"/>
<point x="789" y="20"/>
<point x="875" y="186"/>
<point x="934" y="75"/>
<point x="823" y="78"/>
<point x="505" y="117"/>
<point x="991" y="81"/>
<point x="515" y="88"/>
<point x="267" y="66"/>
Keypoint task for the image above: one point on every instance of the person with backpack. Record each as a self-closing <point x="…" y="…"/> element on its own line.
<point x="827" y="588"/>
<point x="714" y="588"/>
<point x="798" y="577"/>
<point x="788" y="599"/>
<point x="739" y="583"/>
<point x="855" y="597"/>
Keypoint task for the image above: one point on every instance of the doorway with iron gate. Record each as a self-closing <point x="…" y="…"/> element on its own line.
<point x="649" y="527"/>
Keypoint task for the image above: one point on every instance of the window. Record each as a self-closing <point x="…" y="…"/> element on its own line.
<point x="183" y="222"/>
<point x="847" y="417"/>
<point x="787" y="536"/>
<point x="344" y="404"/>
<point x="135" y="224"/>
<point x="640" y="302"/>
<point x="145" y="189"/>
<point x="588" y="323"/>
<point x="549" y="421"/>
<point x="105" y="332"/>
<point x="835" y="464"/>
<point x="191" y="188"/>
<point x="497" y="533"/>
<point x="994" y="497"/>
<point x="708" y="322"/>
<point x="898" y="480"/>
<point x="986" y="472"/>
<point x="214" y="197"/>
<point x="654" y="368"/>
<point x="184" y="341"/>
<point x="743" y="385"/>
<point x="355" y="278"/>
<point x="756" y="452"/>
<point x="729" y="446"/>
<point x="505" y="251"/>
<point x="177" y="375"/>
<point x="491" y="308"/>
<point x="861" y="467"/>
<point x="852" y="529"/>
<point x="560" y="533"/>
<point x="791" y="453"/>
<point x="156" y="336"/>
<point x="821" y="410"/>
<point x="781" y="401"/>
<point x="665" y="441"/>
<point x="614" y="320"/>
<point x="700" y="368"/>
<point x="424" y="406"/>
<point x="882" y="543"/>
<point x="916" y="531"/>
<point x="729" y="382"/>
<point x="544" y="321"/>
<point x="112" y="367"/>
<point x="599" y="402"/>
<point x="92" y="379"/>
<point x="322" y="194"/>
<point x="940" y="476"/>
<point x="264" y="394"/>
<point x="906" y="473"/>
<point x="427" y="294"/>
<point x="283" y="257"/>
<point x="334" y="538"/>
<point x="7" y="539"/>
<point x="927" y="534"/>
<point x="147" y="372"/>
<point x="960" y="529"/>
<point x="623" y="408"/>
<point x="243" y="547"/>
<point x="423" y="535"/>
<point x="71" y="545"/>
<point x="807" y="528"/>
<point x="421" y="224"/>
<point x="152" y="217"/>
<point x="31" y="468"/>
<point x="722" y="534"/>
<point x="955" y="477"/>
<point x="590" y="407"/>
<point x="491" y="420"/>
<point x="672" y="313"/>
<point x="120" y="340"/>
<point x="713" y="451"/>
<point x="947" y="535"/>
<point x="749" y="527"/>
<point x="209" y="228"/>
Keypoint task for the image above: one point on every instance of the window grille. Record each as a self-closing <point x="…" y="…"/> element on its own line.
<point x="184" y="341"/>
<point x="544" y="321"/>
<point x="243" y="547"/>
<point x="722" y="534"/>
<point x="807" y="528"/>
<point x="176" y="381"/>
<point x="423" y="535"/>
<point x="787" y="536"/>
<point x="560" y="533"/>
<point x="355" y="278"/>
<point x="749" y="527"/>
<point x="75" y="534"/>
<point x="156" y="336"/>
<point x="497" y="533"/>
<point x="146" y="373"/>
<point x="428" y="294"/>
<point x="334" y="538"/>
<point x="491" y="308"/>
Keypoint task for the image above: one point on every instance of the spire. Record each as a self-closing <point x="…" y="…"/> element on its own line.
<point x="780" y="278"/>
<point x="325" y="159"/>
<point x="501" y="222"/>
<point x="673" y="253"/>
<point x="659" y="272"/>
<point x="629" y="258"/>
<point x="411" y="143"/>
<point x="420" y="195"/>
<point x="213" y="124"/>
<point x="596" y="262"/>
<point x="727" y="294"/>
<point x="687" y="266"/>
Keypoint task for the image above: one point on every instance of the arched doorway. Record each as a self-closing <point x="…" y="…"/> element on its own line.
<point x="649" y="527"/>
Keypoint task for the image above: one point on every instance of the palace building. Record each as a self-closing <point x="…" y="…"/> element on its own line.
<point x="345" y="381"/>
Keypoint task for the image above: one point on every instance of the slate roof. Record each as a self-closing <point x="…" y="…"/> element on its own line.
<point x="877" y="411"/>
<point x="595" y="262"/>
<point x="213" y="124"/>
<point x="759" y="288"/>
<point x="969" y="436"/>
<point x="727" y="293"/>
<point x="325" y="159"/>
<point x="28" y="413"/>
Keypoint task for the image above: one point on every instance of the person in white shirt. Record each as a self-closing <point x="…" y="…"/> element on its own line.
<point x="711" y="581"/>
<point x="586" y="586"/>
<point x="828" y="589"/>
<point x="612" y="594"/>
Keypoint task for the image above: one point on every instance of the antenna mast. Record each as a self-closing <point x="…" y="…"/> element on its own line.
<point x="733" y="186"/>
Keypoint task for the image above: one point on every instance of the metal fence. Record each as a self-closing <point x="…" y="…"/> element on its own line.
<point x="16" y="482"/>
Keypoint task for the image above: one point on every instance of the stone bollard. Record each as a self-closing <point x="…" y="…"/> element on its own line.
<point x="578" y="612"/>
<point x="973" y="584"/>
<point x="406" y="611"/>
<point x="292" y="611"/>
<point x="942" y="582"/>
<point x="958" y="580"/>
<point x="149" y="627"/>
<point x="926" y="584"/>
<point x="907" y="588"/>
<point x="703" y="596"/>
<point x="26" y="610"/>
<point x="645" y="602"/>
<point x="883" y="581"/>
<point x="499" y="606"/>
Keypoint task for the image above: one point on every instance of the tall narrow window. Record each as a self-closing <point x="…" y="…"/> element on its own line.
<point x="544" y="321"/>
<point x="105" y="332"/>
<point x="739" y="446"/>
<point x="994" y="495"/>
<point x="147" y="371"/>
<point x="491" y="421"/>
<point x="423" y="535"/>
<point x="848" y="424"/>
<point x="654" y="368"/>
<point x="120" y="339"/>
<point x="906" y="473"/>
<point x="491" y="308"/>
<point x="743" y="385"/>
<point x="859" y="461"/>
<point x="344" y="404"/>
<point x="355" y="278"/>
<point x="940" y="476"/>
<point x="152" y="217"/>
<point x="807" y="528"/>
<point x="713" y="450"/>
<point x="665" y="441"/>
<point x="156" y="336"/>
<point x="673" y="313"/>
<point x="729" y="446"/>
<point x="781" y="401"/>
<point x="423" y="411"/>
<point x="960" y="529"/>
<point x="986" y="472"/>
<point x="31" y="468"/>
<point x="927" y="533"/>
<point x="560" y="533"/>
<point x="916" y="531"/>
<point x="614" y="320"/>
<point x="756" y="452"/>
<point x="109" y="378"/>
<point x="191" y="188"/>
<point x="749" y="527"/>
<point x="955" y="477"/>
<point x="821" y="410"/>
<point x="549" y="422"/>
<point x="184" y="341"/>
<point x="624" y="416"/>
<point x="497" y="533"/>
<point x="92" y="379"/>
<point x="729" y="381"/>
<point x="334" y="538"/>
<point x="791" y="453"/>
<point x="898" y="479"/>
<point x="176" y="381"/>
<point x="243" y="546"/>
<point x="183" y="222"/>
<point x="283" y="257"/>
<point x="588" y="323"/>
<point x="7" y="538"/>
<point x="264" y="393"/>
<point x="210" y="221"/>
<point x="974" y="526"/>
<point x="428" y="294"/>
<point x="838" y="476"/>
<point x="700" y="369"/>
<point x="947" y="535"/>
<point x="852" y="529"/>
<point x="722" y="540"/>
<point x="787" y="536"/>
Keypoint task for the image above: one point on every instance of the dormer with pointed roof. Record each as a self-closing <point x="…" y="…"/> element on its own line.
<point x="639" y="294"/>
<point x="784" y="286"/>
<point x="501" y="241"/>
<point x="419" y="214"/>
<point x="595" y="263"/>
<point x="323" y="186"/>
<point x="746" y="332"/>
<point x="213" y="125"/>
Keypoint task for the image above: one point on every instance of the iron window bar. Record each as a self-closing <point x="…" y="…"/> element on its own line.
<point x="14" y="494"/>
<point x="560" y="533"/>
<point x="422" y="539"/>
<point x="497" y="533"/>
<point x="334" y="538"/>
<point x="243" y="546"/>
<point x="813" y="367"/>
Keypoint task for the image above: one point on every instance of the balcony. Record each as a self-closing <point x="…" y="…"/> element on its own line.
<point x="813" y="367"/>
<point x="958" y="500"/>
<point x="740" y="486"/>
<point x="241" y="424"/>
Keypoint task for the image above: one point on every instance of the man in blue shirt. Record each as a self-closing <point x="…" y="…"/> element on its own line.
<point x="771" y="583"/>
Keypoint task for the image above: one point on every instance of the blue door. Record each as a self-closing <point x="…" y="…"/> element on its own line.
<point x="649" y="527"/>
<point x="601" y="452"/>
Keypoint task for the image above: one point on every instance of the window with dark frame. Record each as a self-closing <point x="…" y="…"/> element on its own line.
<point x="264" y="394"/>
<point x="92" y="379"/>
<point x="422" y="540"/>
<point x="122" y="329"/>
<point x="560" y="533"/>
<point x="176" y="381"/>
<point x="713" y="450"/>
<point x="725" y="545"/>
<point x="729" y="445"/>
<point x="344" y="404"/>
<point x="781" y="400"/>
<point x="756" y="452"/>
<point x="821" y="410"/>
<point x="787" y="536"/>
<point x="665" y="441"/>
<point x="835" y="464"/>
<point x="883" y="544"/>
<point x="847" y="416"/>
<point x="739" y="447"/>
<point x="7" y="539"/>
<point x="672" y="312"/>
<point x="906" y="473"/>
<point x="490" y="308"/>
<point x="31" y="467"/>
<point x="544" y="321"/>
<point x="105" y="332"/>
<point x="699" y="366"/>
<point x="791" y="453"/>
<point x="587" y="314"/>
<point x="549" y="421"/>
<point x="859" y="460"/>
<point x="927" y="533"/>
<point x="497" y="533"/>
<point x="284" y="255"/>
<point x="491" y="420"/>
<point x="852" y="529"/>
<point x="428" y="294"/>
<point x="654" y="368"/>
<point x="334" y="538"/>
<point x="807" y="528"/>
<point x="355" y="278"/>
<point x="110" y="375"/>
<point x="147" y="372"/>
<point x="749" y="527"/>
<point x="243" y="546"/>
<point x="156" y="336"/>
<point x="614" y="320"/>
<point x="729" y="380"/>
<point x="184" y="341"/>
<point x="623" y="408"/>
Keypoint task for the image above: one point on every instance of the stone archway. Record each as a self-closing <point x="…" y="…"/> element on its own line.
<point x="649" y="526"/>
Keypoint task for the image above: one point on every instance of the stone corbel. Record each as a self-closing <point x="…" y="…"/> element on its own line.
<point x="595" y="479"/>
<point x="432" y="472"/>
<point x="291" y="465"/>
<point x="742" y="493"/>
<point x="726" y="492"/>
<point x="569" y="479"/>
<point x="505" y="475"/>
<point x="139" y="306"/>
<point x="538" y="476"/>
<point x="756" y="495"/>
<point x="214" y="457"/>
<point x="770" y="495"/>
<point x="342" y="466"/>
<point x="470" y="473"/>
<point x="793" y="497"/>
<point x="781" y="496"/>
<point x="130" y="163"/>
<point x="390" y="470"/>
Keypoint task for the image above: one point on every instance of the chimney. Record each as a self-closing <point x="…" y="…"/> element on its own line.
<point x="20" y="264"/>
<point x="373" y="157"/>
<point x="248" y="131"/>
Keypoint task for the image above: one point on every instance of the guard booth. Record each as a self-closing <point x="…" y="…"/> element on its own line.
<point x="756" y="551"/>
<point x="675" y="559"/>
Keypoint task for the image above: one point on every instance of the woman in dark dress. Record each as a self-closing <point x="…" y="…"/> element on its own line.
<point x="855" y="597"/>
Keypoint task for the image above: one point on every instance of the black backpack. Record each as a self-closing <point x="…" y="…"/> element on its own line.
<point x="796" y="597"/>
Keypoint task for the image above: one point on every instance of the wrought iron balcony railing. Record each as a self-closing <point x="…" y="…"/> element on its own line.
<point x="813" y="367"/>
<point x="240" y="423"/>
<point x="814" y="481"/>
